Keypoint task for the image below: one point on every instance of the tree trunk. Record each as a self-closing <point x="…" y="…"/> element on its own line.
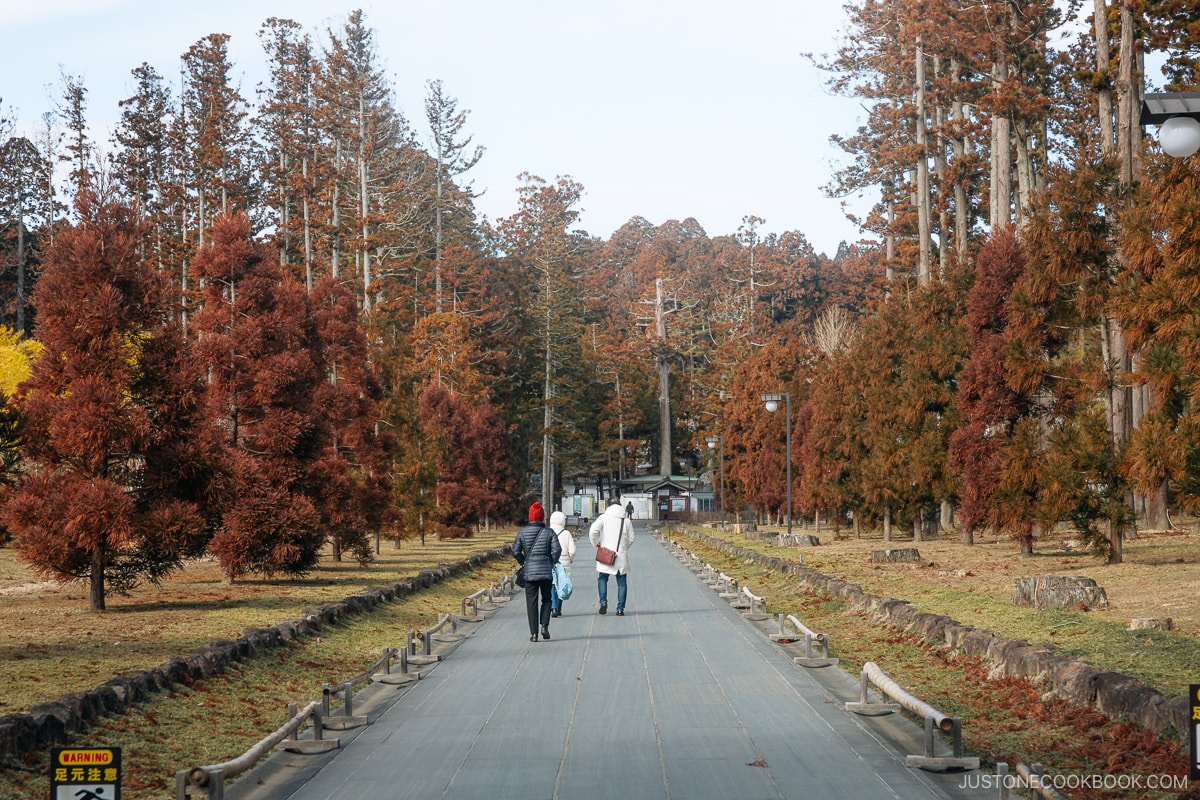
<point x="308" y="246"/>
<point x="335" y="209"/>
<point x="1115" y="543"/>
<point x="923" y="216"/>
<point x="97" y="579"/>
<point x="21" y="269"/>
<point x="547" y="411"/>
<point x="664" y="383"/>
<point x="1129" y="133"/>
<point x="1156" y="509"/>
<point x="1026" y="182"/>
<point x="890" y="242"/>
<point x="1001" y="172"/>
<point x="1103" y="64"/>
<point x="1025" y="540"/>
<point x="364" y="203"/>
<point x="962" y="206"/>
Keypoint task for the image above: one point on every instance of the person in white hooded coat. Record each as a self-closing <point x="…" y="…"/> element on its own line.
<point x="614" y="530"/>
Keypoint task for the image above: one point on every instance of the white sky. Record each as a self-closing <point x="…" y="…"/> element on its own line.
<point x="666" y="109"/>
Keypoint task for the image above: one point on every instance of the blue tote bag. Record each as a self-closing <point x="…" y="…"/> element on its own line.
<point x="562" y="582"/>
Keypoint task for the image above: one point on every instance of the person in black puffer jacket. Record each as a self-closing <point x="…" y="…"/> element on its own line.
<point x="537" y="549"/>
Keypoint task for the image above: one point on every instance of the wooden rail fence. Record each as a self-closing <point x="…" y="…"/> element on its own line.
<point x="934" y="720"/>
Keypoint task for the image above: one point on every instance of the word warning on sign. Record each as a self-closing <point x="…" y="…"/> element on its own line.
<point x="85" y="773"/>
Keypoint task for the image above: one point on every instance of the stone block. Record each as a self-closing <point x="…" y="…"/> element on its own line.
<point x="1056" y="591"/>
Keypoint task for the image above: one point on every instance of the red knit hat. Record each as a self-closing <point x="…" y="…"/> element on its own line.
<point x="537" y="513"/>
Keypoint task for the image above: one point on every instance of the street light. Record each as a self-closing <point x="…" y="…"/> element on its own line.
<point x="1178" y="116"/>
<point x="713" y="441"/>
<point x="772" y="404"/>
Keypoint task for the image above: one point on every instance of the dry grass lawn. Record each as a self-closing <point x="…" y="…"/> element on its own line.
<point x="1159" y="576"/>
<point x="52" y="644"/>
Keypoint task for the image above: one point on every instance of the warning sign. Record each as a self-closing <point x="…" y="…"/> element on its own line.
<point x="85" y="773"/>
<point x="1194" y="695"/>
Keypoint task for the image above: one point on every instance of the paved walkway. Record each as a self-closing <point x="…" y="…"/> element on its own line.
<point x="681" y="698"/>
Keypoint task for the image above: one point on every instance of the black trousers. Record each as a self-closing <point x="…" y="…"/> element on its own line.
<point x="533" y="591"/>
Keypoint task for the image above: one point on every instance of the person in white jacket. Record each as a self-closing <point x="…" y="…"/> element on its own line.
<point x="614" y="530"/>
<point x="558" y="522"/>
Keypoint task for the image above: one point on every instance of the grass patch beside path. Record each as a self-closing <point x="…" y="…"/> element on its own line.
<point x="193" y="725"/>
<point x="974" y="586"/>
<point x="51" y="644"/>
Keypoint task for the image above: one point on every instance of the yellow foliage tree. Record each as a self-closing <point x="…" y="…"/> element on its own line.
<point x="16" y="359"/>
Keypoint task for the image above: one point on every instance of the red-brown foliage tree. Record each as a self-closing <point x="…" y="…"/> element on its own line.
<point x="348" y="481"/>
<point x="988" y="403"/>
<point x="475" y="477"/>
<point x="119" y="451"/>
<point x="258" y="340"/>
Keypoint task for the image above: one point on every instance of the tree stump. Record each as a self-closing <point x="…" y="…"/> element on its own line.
<point x="1151" y="623"/>
<point x="1056" y="591"/>
<point x="892" y="556"/>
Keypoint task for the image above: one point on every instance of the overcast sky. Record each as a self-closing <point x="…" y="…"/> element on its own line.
<point x="664" y="109"/>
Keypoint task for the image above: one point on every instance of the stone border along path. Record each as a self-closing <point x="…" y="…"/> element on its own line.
<point x="47" y="724"/>
<point x="1111" y="693"/>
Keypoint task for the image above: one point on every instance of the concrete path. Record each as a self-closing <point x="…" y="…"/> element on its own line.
<point x="681" y="698"/>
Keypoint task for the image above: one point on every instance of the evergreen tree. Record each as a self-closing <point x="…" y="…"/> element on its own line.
<point x="288" y="120"/>
<point x="371" y="164"/>
<point x="990" y="407"/>
<point x="219" y="152"/>
<point x="23" y="208"/>
<point x="539" y="238"/>
<point x="451" y="160"/>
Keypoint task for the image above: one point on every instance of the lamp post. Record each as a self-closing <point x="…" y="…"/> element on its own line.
<point x="771" y="402"/>
<point x="1178" y="116"/>
<point x="713" y="441"/>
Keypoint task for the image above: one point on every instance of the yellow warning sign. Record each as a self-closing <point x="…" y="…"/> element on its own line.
<point x="85" y="773"/>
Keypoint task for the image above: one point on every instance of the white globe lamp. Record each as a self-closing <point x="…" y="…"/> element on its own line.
<point x="1179" y="136"/>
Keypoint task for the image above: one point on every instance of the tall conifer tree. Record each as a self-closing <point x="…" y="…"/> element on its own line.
<point x="115" y="434"/>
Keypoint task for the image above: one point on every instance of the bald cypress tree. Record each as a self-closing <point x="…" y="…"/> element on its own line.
<point x="985" y="399"/>
<point x="258" y="343"/>
<point x="116" y="437"/>
<point x="348" y="478"/>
